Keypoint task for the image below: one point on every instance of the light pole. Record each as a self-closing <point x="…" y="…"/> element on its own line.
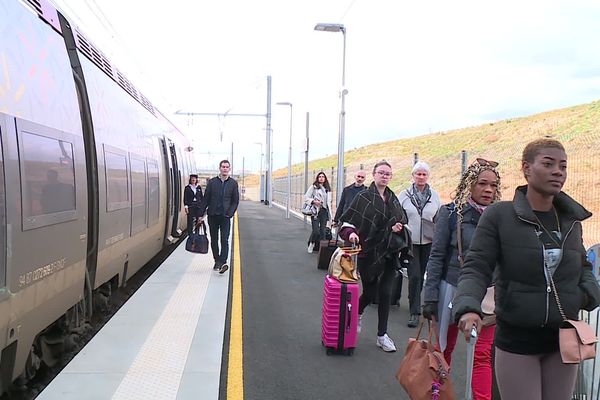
<point x="343" y="93"/>
<point x="260" y="179"/>
<point x="289" y="193"/>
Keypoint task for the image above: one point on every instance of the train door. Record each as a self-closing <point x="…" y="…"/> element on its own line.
<point x="169" y="182"/>
<point x="2" y="222"/>
<point x="177" y="189"/>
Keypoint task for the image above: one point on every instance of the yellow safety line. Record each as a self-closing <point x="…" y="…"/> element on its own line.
<point x="235" y="368"/>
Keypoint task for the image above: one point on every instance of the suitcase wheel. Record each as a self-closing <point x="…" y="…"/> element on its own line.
<point x="329" y="351"/>
<point x="349" y="352"/>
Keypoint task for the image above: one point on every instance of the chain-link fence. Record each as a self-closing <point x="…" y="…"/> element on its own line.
<point x="583" y="183"/>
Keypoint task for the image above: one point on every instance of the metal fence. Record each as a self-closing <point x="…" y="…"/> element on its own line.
<point x="583" y="182"/>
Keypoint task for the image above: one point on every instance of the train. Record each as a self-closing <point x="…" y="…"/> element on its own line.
<point x="91" y="181"/>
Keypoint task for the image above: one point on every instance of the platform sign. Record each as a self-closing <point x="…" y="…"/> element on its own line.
<point x="593" y="256"/>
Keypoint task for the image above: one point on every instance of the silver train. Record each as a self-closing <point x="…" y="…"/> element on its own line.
<point x="91" y="176"/>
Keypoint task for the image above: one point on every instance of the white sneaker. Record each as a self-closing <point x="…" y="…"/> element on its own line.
<point x="310" y="248"/>
<point x="359" y="327"/>
<point x="386" y="343"/>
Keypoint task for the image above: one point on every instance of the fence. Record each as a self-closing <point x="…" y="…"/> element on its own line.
<point x="583" y="182"/>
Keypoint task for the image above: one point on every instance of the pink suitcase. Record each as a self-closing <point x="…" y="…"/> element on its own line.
<point x="340" y="316"/>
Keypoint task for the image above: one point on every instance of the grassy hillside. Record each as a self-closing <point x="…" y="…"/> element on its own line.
<point x="578" y="128"/>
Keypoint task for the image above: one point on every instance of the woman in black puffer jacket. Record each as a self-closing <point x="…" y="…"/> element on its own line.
<point x="528" y="243"/>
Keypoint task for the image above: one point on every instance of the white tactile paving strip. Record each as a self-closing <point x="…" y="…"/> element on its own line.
<point x="165" y="343"/>
<point x="158" y="368"/>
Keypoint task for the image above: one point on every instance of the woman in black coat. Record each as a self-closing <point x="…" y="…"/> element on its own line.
<point x="531" y="245"/>
<point x="376" y="220"/>
<point x="192" y="196"/>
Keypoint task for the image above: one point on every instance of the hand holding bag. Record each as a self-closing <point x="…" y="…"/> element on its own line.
<point x="197" y="241"/>
<point x="576" y="339"/>
<point x="423" y="372"/>
<point x="342" y="266"/>
<point x="309" y="209"/>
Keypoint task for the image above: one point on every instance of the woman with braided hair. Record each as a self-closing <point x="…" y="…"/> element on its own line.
<point x="533" y="248"/>
<point x="455" y="228"/>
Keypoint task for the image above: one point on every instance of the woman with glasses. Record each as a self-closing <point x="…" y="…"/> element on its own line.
<point x="319" y="195"/>
<point x="454" y="231"/>
<point x="421" y="203"/>
<point x="533" y="246"/>
<point x="376" y="220"/>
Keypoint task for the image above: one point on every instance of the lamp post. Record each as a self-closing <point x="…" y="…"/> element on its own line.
<point x="343" y="93"/>
<point x="289" y="193"/>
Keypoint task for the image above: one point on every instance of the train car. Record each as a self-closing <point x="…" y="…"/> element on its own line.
<point x="91" y="176"/>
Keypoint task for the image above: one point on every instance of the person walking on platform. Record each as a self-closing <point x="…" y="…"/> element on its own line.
<point x="319" y="195"/>
<point x="454" y="232"/>
<point x="376" y="220"/>
<point x="220" y="202"/>
<point x="348" y="195"/>
<point x="192" y="198"/>
<point x="533" y="246"/>
<point x="421" y="204"/>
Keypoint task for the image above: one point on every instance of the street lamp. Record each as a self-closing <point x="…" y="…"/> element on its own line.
<point x="344" y="92"/>
<point x="289" y="193"/>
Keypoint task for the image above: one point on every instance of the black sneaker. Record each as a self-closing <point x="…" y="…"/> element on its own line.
<point x="217" y="265"/>
<point x="224" y="268"/>
<point x="413" y="321"/>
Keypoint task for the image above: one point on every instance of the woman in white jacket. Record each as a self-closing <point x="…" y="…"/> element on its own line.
<point x="319" y="195"/>
<point x="421" y="203"/>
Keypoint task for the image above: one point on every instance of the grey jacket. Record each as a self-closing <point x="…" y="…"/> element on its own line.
<point x="443" y="260"/>
<point x="415" y="220"/>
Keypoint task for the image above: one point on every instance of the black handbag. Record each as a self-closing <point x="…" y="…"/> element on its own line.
<point x="197" y="241"/>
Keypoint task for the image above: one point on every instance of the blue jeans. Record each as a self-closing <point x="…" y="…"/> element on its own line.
<point x="220" y="223"/>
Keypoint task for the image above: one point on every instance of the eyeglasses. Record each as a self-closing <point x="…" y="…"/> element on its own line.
<point x="386" y="174"/>
<point x="483" y="161"/>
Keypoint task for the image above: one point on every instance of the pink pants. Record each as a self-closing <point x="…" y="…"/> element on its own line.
<point x="482" y="363"/>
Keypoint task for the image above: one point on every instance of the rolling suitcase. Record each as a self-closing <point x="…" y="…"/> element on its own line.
<point x="326" y="249"/>
<point x="340" y="316"/>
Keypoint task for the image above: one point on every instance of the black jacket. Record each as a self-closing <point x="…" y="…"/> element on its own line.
<point x="507" y="237"/>
<point x="188" y="196"/>
<point x="220" y="197"/>
<point x="348" y="195"/>
<point x="373" y="219"/>
<point x="443" y="260"/>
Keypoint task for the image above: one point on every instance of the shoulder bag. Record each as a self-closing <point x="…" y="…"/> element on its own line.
<point x="423" y="372"/>
<point x="576" y="339"/>
<point x="197" y="241"/>
<point x="342" y="266"/>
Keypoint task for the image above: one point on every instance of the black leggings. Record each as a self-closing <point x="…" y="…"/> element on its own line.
<point x="373" y="287"/>
<point x="416" y="272"/>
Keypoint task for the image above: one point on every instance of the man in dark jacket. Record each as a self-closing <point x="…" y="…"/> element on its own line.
<point x="221" y="199"/>
<point x="348" y="195"/>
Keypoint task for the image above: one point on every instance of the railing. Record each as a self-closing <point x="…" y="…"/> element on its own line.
<point x="587" y="386"/>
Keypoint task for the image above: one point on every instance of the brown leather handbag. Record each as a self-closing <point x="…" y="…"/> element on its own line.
<point x="423" y="372"/>
<point x="342" y="266"/>
<point x="576" y="339"/>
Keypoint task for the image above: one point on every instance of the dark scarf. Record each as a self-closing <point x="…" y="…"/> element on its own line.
<point x="420" y="199"/>
<point x="373" y="219"/>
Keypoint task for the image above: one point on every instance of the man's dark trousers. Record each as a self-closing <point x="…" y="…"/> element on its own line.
<point x="220" y="223"/>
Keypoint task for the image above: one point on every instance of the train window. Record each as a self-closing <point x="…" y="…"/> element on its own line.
<point x="153" y="193"/>
<point x="48" y="176"/>
<point x="2" y="223"/>
<point x="115" y="166"/>
<point x="138" y="194"/>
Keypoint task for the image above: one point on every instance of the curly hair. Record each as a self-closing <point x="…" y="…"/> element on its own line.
<point x="469" y="179"/>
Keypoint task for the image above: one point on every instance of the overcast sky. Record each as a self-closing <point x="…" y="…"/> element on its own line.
<point x="411" y="67"/>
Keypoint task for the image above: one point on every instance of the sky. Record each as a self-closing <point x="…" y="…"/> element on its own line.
<point x="412" y="68"/>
